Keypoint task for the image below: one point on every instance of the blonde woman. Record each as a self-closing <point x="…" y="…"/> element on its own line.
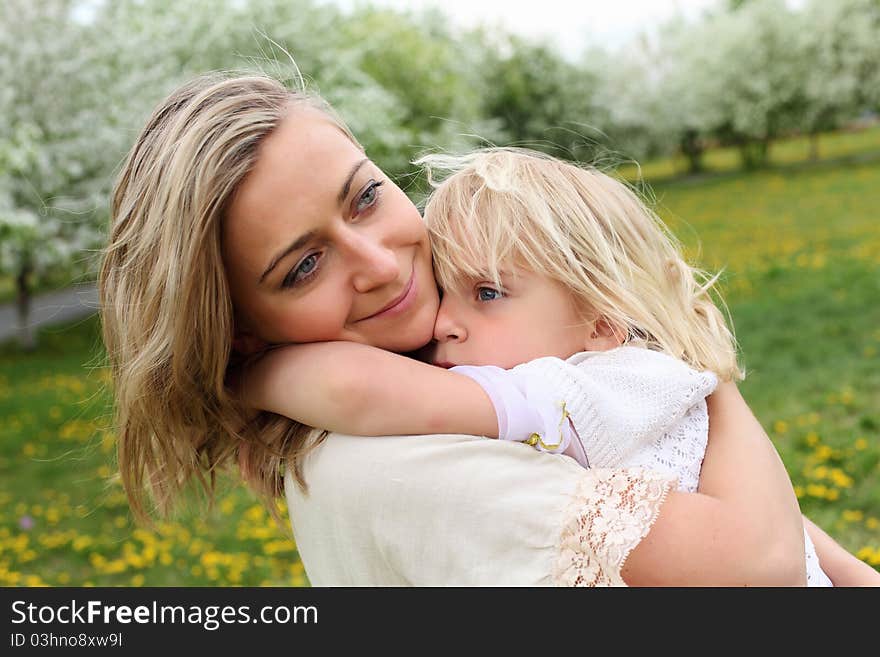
<point x="247" y="215"/>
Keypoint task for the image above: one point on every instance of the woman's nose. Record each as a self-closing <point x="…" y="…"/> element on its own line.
<point x="375" y="265"/>
<point x="447" y="327"/>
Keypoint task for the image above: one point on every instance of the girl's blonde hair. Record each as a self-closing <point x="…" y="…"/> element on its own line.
<point x="584" y="229"/>
<point x="167" y="316"/>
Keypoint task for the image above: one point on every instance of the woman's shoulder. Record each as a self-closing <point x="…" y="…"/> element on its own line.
<point x="343" y="462"/>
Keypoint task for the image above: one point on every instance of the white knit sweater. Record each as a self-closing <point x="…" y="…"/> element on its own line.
<point x="631" y="406"/>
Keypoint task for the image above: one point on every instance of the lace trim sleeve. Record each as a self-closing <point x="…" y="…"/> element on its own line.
<point x="611" y="511"/>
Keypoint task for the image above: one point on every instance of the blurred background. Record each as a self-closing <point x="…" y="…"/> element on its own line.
<point x="752" y="126"/>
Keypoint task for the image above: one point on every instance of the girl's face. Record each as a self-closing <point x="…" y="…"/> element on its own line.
<point x="319" y="245"/>
<point x="532" y="316"/>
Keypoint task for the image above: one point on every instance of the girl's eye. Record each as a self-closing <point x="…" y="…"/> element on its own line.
<point x="302" y="271"/>
<point x="488" y="294"/>
<point x="369" y="197"/>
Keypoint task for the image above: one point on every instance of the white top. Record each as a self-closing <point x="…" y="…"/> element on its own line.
<point x="631" y="406"/>
<point x="454" y="510"/>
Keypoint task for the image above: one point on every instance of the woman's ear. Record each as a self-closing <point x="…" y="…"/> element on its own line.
<point x="602" y="335"/>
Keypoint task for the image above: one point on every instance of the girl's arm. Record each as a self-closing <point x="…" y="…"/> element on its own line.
<point x="361" y="390"/>
<point x="742" y="529"/>
<point x="842" y="568"/>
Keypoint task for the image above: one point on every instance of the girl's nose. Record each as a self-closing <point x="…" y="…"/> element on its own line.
<point x="447" y="326"/>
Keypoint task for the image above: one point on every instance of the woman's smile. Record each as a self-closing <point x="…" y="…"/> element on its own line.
<point x="400" y="304"/>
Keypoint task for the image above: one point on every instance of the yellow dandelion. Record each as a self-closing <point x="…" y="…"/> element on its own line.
<point x="255" y="513"/>
<point x="33" y="580"/>
<point x="852" y="515"/>
<point x="816" y="490"/>
<point x="860" y="444"/>
<point x="80" y="543"/>
<point x="780" y="426"/>
<point x="840" y="478"/>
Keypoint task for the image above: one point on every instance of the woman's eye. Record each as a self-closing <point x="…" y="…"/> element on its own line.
<point x="488" y="294"/>
<point x="302" y="271"/>
<point x="368" y="197"/>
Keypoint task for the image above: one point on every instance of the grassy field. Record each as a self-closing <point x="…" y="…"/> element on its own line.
<point x="63" y="516"/>
<point x="800" y="248"/>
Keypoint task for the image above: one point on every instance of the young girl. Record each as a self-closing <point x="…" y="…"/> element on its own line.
<point x="569" y="321"/>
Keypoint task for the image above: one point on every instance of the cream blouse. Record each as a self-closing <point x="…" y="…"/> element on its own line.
<point x="453" y="510"/>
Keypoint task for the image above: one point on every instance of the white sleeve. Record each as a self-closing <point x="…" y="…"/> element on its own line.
<point x="464" y="511"/>
<point x="622" y="400"/>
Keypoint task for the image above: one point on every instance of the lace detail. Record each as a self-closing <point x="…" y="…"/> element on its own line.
<point x="679" y="451"/>
<point x="611" y="511"/>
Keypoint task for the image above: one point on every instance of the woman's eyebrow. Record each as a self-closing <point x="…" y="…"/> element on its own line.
<point x="303" y="239"/>
<point x="298" y="243"/>
<point x="343" y="193"/>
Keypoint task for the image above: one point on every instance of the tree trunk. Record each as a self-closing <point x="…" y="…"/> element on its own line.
<point x="26" y="333"/>
<point x="692" y="148"/>
<point x="754" y="153"/>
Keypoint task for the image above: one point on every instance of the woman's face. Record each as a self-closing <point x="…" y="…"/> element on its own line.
<point x="319" y="245"/>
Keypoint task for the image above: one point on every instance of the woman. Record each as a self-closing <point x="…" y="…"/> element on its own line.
<point x="248" y="215"/>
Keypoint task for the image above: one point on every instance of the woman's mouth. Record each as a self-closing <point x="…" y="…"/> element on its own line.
<point x="401" y="303"/>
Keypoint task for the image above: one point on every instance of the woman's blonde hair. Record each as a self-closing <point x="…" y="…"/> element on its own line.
<point x="167" y="316"/>
<point x="584" y="229"/>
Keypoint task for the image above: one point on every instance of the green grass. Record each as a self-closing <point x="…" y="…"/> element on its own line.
<point x="800" y="246"/>
<point x="800" y="250"/>
<point x="63" y="517"/>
